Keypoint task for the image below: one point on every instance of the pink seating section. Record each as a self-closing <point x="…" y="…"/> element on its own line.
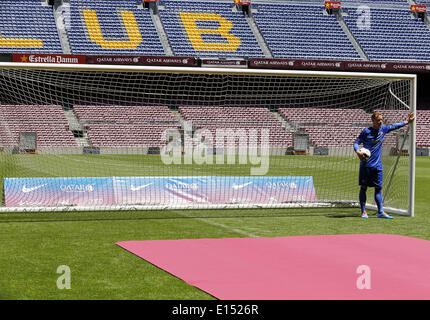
<point x="127" y="135"/>
<point x="124" y="114"/>
<point x="216" y="119"/>
<point x="328" y="127"/>
<point x="144" y="125"/>
<point x="48" y="121"/>
<point x="325" y="116"/>
<point x="126" y="126"/>
<point x="423" y="124"/>
<point x="338" y="127"/>
<point x="393" y="116"/>
<point x="423" y="137"/>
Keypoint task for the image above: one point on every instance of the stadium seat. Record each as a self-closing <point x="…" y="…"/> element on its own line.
<point x="213" y="117"/>
<point x="28" y="28"/>
<point x="323" y="126"/>
<point x="140" y="126"/>
<point x="48" y="121"/>
<point x="393" y="36"/>
<point x="211" y="29"/>
<point x="302" y="32"/>
<point x="125" y="28"/>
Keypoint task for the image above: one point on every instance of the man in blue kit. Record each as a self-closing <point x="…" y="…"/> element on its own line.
<point x="370" y="174"/>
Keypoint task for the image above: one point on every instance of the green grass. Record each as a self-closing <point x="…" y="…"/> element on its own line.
<point x="34" y="245"/>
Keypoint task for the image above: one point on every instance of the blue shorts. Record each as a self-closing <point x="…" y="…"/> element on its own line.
<point x="370" y="177"/>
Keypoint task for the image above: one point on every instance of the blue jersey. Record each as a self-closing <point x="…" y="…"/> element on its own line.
<point x="372" y="139"/>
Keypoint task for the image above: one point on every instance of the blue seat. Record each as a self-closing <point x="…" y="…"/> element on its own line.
<point x="303" y="27"/>
<point x="393" y="35"/>
<point x="181" y="43"/>
<point x="112" y="28"/>
<point x="29" y="21"/>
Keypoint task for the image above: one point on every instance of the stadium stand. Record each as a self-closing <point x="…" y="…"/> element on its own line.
<point x="303" y="31"/>
<point x="390" y="116"/>
<point x="323" y="127"/>
<point x="332" y="136"/>
<point x="48" y="121"/>
<point x="28" y="26"/>
<point x="119" y="28"/>
<point x="423" y="117"/>
<point x="422" y="2"/>
<point x="299" y="30"/>
<point x="375" y="3"/>
<point x="236" y="118"/>
<point x="392" y="36"/>
<point x="317" y="116"/>
<point x="221" y="31"/>
<point x="423" y="137"/>
<point x="423" y="125"/>
<point x="127" y="135"/>
<point x="124" y="114"/>
<point x="216" y="29"/>
<point x="126" y="125"/>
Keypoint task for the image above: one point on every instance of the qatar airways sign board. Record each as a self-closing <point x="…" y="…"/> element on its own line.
<point x="142" y="60"/>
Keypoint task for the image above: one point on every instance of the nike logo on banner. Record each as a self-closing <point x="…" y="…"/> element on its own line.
<point x="26" y="190"/>
<point x="240" y="186"/>
<point x="133" y="188"/>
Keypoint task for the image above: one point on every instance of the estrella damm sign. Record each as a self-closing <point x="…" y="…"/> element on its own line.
<point x="418" y="8"/>
<point x="48" y="58"/>
<point x="242" y="2"/>
<point x="332" y="4"/>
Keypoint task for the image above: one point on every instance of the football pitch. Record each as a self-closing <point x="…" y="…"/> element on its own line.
<point x="35" y="245"/>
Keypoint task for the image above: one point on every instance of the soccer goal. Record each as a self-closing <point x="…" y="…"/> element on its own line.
<point x="143" y="138"/>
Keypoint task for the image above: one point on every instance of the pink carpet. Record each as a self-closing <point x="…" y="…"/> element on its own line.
<point x="299" y="267"/>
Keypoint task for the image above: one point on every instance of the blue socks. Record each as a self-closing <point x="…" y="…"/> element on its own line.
<point x="378" y="199"/>
<point x="362" y="198"/>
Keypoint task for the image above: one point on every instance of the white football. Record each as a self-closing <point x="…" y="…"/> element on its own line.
<point x="366" y="152"/>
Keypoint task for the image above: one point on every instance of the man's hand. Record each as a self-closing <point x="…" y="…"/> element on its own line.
<point x="360" y="155"/>
<point x="411" y="118"/>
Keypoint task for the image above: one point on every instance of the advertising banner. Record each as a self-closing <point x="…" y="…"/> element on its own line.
<point x="230" y="63"/>
<point x="157" y="190"/>
<point x="49" y="58"/>
<point x="30" y="192"/>
<point x="419" y="8"/>
<point x="333" y="4"/>
<point x="242" y="2"/>
<point x="212" y="190"/>
<point x="365" y="66"/>
<point x="142" y="60"/>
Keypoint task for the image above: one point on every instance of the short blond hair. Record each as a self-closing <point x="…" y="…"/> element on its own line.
<point x="376" y="114"/>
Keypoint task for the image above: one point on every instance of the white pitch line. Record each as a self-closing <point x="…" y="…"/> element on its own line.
<point x="217" y="224"/>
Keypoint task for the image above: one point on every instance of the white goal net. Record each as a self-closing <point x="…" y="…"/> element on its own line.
<point x="141" y="138"/>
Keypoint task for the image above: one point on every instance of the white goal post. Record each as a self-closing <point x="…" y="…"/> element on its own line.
<point x="126" y="137"/>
